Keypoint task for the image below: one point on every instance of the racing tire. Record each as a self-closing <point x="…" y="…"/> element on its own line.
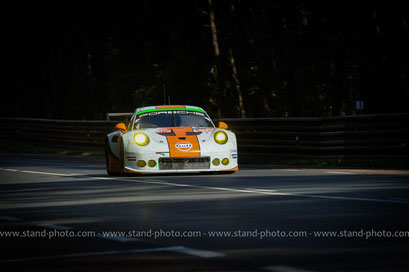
<point x="107" y="162"/>
<point x="108" y="157"/>
<point x="122" y="156"/>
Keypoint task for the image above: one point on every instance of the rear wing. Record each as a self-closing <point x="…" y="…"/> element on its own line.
<point x="119" y="116"/>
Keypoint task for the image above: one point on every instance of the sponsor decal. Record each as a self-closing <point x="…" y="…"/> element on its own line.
<point x="234" y="156"/>
<point x="203" y="129"/>
<point x="169" y="112"/>
<point x="184" y="146"/>
<point x="184" y="112"/>
<point x="163" y="130"/>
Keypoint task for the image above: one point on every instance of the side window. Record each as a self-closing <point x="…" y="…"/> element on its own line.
<point x="131" y="125"/>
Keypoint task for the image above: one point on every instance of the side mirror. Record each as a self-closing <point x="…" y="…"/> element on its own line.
<point x="223" y="125"/>
<point x="121" y="127"/>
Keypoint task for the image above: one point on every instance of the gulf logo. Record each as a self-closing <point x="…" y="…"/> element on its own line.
<point x="183" y="146"/>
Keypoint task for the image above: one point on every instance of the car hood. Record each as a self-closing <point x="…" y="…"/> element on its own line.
<point x="182" y="141"/>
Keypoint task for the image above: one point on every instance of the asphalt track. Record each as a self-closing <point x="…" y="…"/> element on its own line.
<point x="66" y="214"/>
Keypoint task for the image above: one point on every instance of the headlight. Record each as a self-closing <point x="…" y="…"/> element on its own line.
<point x="141" y="139"/>
<point x="220" y="137"/>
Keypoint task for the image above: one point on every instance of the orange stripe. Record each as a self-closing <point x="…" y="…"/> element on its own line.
<point x="187" y="147"/>
<point x="180" y="131"/>
<point x="170" y="107"/>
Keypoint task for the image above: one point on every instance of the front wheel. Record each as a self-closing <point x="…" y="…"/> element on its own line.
<point x="122" y="157"/>
<point x="107" y="160"/>
<point x="113" y="166"/>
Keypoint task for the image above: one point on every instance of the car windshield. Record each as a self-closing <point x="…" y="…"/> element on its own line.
<point x="172" y="120"/>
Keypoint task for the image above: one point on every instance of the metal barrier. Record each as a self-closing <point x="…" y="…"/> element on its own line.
<point x="57" y="133"/>
<point x="360" y="136"/>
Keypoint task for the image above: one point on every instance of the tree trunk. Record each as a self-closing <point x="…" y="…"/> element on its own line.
<point x="214" y="30"/>
<point x="236" y="83"/>
<point x="215" y="42"/>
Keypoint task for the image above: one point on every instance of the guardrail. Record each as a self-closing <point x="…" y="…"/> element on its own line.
<point x="360" y="136"/>
<point x="57" y="133"/>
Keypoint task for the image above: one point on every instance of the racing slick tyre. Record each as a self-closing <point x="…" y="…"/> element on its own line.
<point x="122" y="156"/>
<point x="107" y="162"/>
<point x="111" y="164"/>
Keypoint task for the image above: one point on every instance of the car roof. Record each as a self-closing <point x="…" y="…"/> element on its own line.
<point x="169" y="107"/>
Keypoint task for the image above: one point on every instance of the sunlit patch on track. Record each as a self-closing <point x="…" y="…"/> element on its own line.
<point x="237" y="190"/>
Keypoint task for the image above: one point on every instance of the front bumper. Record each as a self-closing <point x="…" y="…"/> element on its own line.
<point x="165" y="164"/>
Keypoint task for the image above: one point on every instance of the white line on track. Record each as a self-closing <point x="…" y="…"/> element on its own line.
<point x="12" y="170"/>
<point x="257" y="191"/>
<point x="261" y="190"/>
<point x="339" y="173"/>
<point x="46" y="173"/>
<point x="328" y="172"/>
<point x="254" y="191"/>
<point x="178" y="249"/>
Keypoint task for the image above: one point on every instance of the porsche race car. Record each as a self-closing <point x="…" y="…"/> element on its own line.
<point x="169" y="139"/>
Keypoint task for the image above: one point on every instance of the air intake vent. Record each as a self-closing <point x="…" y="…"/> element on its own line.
<point x="184" y="163"/>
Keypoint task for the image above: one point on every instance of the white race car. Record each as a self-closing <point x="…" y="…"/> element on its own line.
<point x="169" y="139"/>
